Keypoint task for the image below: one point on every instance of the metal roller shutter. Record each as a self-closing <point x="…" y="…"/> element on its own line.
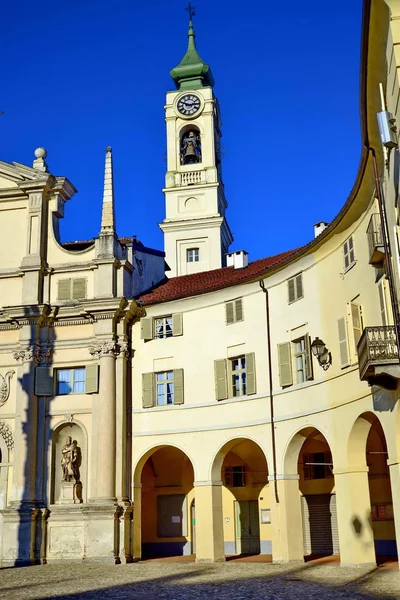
<point x="320" y="524"/>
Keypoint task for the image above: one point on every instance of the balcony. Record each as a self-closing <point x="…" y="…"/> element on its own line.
<point x="375" y="241"/>
<point x="378" y="357"/>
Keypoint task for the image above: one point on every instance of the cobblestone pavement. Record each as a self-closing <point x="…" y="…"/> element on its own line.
<point x="184" y="581"/>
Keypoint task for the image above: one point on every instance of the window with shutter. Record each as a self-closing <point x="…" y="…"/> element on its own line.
<point x="234" y="311"/>
<point x="221" y="379"/>
<point x="285" y="364"/>
<point x="146" y="329"/>
<point x="382" y="301"/>
<point x="178" y="383"/>
<point x="356" y="320"/>
<point x="43" y="381"/>
<point x="343" y="345"/>
<point x="295" y="288"/>
<point x="177" y="324"/>
<point x="79" y="288"/>
<point x="348" y="253"/>
<point x="148" y="390"/>
<point x="250" y="373"/>
<point x="92" y="378"/>
<point x="309" y="365"/>
<point x="64" y="289"/>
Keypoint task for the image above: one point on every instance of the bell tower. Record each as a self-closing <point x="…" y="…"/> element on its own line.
<point x="196" y="233"/>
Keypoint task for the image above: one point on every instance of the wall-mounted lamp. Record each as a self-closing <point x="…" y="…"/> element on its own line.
<point x="321" y="353"/>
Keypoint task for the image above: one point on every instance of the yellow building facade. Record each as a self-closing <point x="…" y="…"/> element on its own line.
<point x="232" y="408"/>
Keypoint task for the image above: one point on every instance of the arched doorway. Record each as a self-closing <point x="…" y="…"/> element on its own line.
<point x="167" y="491"/>
<point x="242" y="467"/>
<point x="309" y="455"/>
<point x="367" y="446"/>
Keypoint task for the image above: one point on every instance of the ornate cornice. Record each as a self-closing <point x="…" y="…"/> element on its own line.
<point x="5" y="387"/>
<point x="7" y="435"/>
<point x="35" y="353"/>
<point x="105" y="348"/>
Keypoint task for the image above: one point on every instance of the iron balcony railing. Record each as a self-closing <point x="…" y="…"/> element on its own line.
<point x="377" y="346"/>
<point x="375" y="240"/>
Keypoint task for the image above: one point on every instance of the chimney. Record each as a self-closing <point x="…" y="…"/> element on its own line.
<point x="319" y="227"/>
<point x="239" y="259"/>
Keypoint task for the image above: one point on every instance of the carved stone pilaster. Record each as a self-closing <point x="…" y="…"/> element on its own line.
<point x="7" y="435"/>
<point x="5" y="387"/>
<point x="105" y="349"/>
<point x="35" y="353"/>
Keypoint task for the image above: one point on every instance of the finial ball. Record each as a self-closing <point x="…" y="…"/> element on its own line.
<point x="40" y="152"/>
<point x="108" y="149"/>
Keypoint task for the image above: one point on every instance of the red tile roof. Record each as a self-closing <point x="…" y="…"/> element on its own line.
<point x="209" y="281"/>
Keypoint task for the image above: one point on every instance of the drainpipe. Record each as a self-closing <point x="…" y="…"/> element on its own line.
<point x="386" y="246"/>
<point x="271" y="395"/>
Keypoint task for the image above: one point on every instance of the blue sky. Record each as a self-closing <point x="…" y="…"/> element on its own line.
<point x="78" y="76"/>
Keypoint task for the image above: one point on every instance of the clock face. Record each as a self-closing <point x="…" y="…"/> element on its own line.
<point x="189" y="104"/>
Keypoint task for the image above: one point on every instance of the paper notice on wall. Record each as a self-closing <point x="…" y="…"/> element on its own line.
<point x="176" y="519"/>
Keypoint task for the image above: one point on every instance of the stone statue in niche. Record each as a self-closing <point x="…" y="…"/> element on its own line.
<point x="70" y="460"/>
<point x="190" y="148"/>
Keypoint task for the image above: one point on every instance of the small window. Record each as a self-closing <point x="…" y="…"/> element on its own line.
<point x="165" y="388"/>
<point x="71" y="381"/>
<point x="234" y="311"/>
<point x="72" y="288"/>
<point x="295" y="361"/>
<point x="193" y="255"/>
<point x="239" y="375"/>
<point x="235" y="476"/>
<point x="295" y="288"/>
<point x="348" y="253"/>
<point x="163" y="327"/>
<point x="317" y="465"/>
<point x="300" y="360"/>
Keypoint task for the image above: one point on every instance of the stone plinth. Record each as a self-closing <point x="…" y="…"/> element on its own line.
<point x="70" y="493"/>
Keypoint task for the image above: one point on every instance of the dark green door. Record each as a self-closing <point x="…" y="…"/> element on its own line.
<point x="247" y="527"/>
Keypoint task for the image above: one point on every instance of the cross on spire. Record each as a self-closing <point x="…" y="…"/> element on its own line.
<point x="191" y="10"/>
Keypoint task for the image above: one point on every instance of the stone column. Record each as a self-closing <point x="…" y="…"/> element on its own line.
<point x="24" y="468"/>
<point x="286" y="519"/>
<point x="209" y="522"/>
<point x="394" y="469"/>
<point x="137" y="521"/>
<point x="105" y="485"/>
<point x="121" y="424"/>
<point x="356" y="538"/>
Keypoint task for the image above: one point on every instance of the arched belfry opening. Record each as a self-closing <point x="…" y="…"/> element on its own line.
<point x="190" y="145"/>
<point x="167" y="492"/>
<point x="242" y="467"/>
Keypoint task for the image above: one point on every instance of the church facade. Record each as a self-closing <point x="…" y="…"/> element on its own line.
<point x="219" y="407"/>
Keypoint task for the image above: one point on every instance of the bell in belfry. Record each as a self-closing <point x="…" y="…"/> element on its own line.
<point x="190" y="148"/>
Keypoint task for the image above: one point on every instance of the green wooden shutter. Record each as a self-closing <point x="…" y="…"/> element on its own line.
<point x="148" y="390"/>
<point x="92" y="378"/>
<point x="178" y="386"/>
<point x="291" y="291"/>
<point x="346" y="255"/>
<point x="230" y="315"/>
<point x="343" y="347"/>
<point x="285" y="364"/>
<point x="79" y="288"/>
<point x="64" y="289"/>
<point x="177" y="324"/>
<point x="221" y="379"/>
<point x="146" y="329"/>
<point x="250" y="373"/>
<point x="351" y="250"/>
<point x="309" y="364"/>
<point x="43" y="381"/>
<point x="299" y="286"/>
<point x="239" y="310"/>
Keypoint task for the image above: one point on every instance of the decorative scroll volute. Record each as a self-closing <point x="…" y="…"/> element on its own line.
<point x="5" y="387"/>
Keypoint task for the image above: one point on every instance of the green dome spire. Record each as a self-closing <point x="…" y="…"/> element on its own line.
<point x="192" y="72"/>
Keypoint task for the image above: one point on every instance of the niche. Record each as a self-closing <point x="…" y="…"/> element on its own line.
<point x="61" y="468"/>
<point x="190" y="146"/>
